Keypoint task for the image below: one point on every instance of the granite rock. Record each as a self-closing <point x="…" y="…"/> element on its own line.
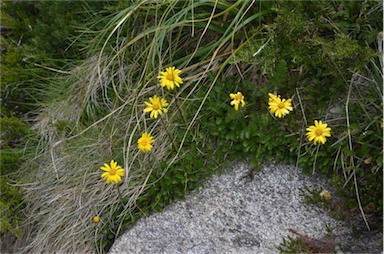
<point x="232" y="214"/>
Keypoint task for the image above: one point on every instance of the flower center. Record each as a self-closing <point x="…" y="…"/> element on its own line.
<point x="239" y="97"/>
<point x="318" y="132"/>
<point x="144" y="142"/>
<point x="281" y="105"/>
<point x="112" y="171"/>
<point x="155" y="106"/>
<point x="170" y="76"/>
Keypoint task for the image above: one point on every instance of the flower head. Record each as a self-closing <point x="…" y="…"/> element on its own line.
<point x="318" y="132"/>
<point x="96" y="219"/>
<point x="237" y="99"/>
<point x="325" y="194"/>
<point x="170" y="78"/>
<point x="156" y="106"/>
<point x="113" y="172"/>
<point x="145" y="142"/>
<point x="279" y="107"/>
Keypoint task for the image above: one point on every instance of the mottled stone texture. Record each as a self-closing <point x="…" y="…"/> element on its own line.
<point x="232" y="214"/>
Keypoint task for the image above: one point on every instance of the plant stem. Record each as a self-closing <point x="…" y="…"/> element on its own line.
<point x="145" y="181"/>
<point x="179" y="109"/>
<point x="120" y="196"/>
<point x="182" y="116"/>
<point x="314" y="163"/>
<point x="169" y="135"/>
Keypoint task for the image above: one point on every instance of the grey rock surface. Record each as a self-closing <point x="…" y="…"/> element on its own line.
<point x="232" y="214"/>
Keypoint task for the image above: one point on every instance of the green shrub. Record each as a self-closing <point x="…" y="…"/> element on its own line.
<point x="11" y="206"/>
<point x="13" y="138"/>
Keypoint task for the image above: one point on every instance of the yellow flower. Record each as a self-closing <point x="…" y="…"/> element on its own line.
<point x="113" y="173"/>
<point x="145" y="142"/>
<point x="318" y="132"/>
<point x="170" y="78"/>
<point x="96" y="219"/>
<point x="279" y="107"/>
<point x="325" y="194"/>
<point x="156" y="106"/>
<point x="237" y="99"/>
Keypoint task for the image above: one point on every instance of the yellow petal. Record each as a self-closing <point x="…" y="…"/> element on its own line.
<point x="106" y="167"/>
<point x="120" y="172"/>
<point x="311" y="128"/>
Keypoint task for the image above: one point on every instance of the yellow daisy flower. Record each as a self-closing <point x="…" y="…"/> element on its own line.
<point x="318" y="132"/>
<point x="237" y="99"/>
<point x="279" y="107"/>
<point x="325" y="194"/>
<point x="145" y="142"/>
<point x="113" y="173"/>
<point x="96" y="219"/>
<point x="170" y="78"/>
<point x="156" y="106"/>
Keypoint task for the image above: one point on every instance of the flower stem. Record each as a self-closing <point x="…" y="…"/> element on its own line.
<point x="314" y="163"/>
<point x="169" y="135"/>
<point x="151" y="166"/>
<point x="182" y="116"/>
<point x="179" y="109"/>
<point x="120" y="196"/>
